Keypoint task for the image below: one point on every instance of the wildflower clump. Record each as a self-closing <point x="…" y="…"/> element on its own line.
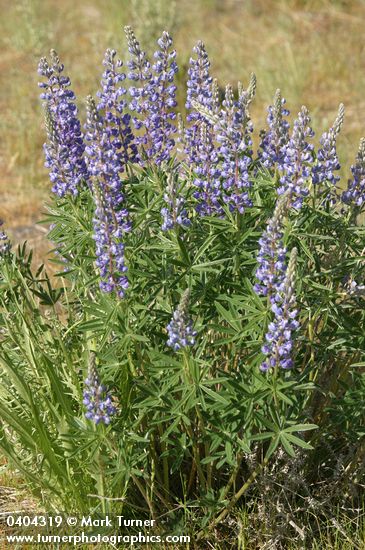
<point x="223" y="289"/>
<point x="130" y="130"/>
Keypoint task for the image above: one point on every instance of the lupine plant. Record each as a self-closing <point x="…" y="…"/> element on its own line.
<point x="207" y="319"/>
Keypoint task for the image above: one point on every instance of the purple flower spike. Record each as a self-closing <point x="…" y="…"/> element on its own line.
<point x="64" y="151"/>
<point x="111" y="220"/>
<point x="207" y="173"/>
<point x="355" y="193"/>
<point x="279" y="341"/>
<point x="272" y="254"/>
<point x="96" y="399"/>
<point x="200" y="83"/>
<point x="233" y="134"/>
<point x="155" y="97"/>
<point x="113" y="108"/>
<point x="198" y="138"/>
<point x="180" y="328"/>
<point x="174" y="214"/>
<point x="110" y="148"/>
<point x="274" y="140"/>
<point x="327" y="159"/>
<point x="297" y="159"/>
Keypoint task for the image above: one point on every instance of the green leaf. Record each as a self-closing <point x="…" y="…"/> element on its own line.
<point x="301" y="428"/>
<point x="287" y="446"/>
<point x="228" y="316"/>
<point x="215" y="395"/>
<point x="298" y="441"/>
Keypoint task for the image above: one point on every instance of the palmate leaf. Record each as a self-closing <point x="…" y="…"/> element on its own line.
<point x="299" y="442"/>
<point x="286" y="444"/>
<point x="216" y="396"/>
<point x="228" y="315"/>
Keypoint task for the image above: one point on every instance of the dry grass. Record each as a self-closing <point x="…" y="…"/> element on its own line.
<point x="312" y="50"/>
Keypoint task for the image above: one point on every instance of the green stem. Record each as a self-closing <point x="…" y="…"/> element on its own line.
<point x="100" y="482"/>
<point x="236" y="497"/>
<point x="233" y="477"/>
<point x="196" y="456"/>
<point x="144" y="494"/>
<point x="191" y="478"/>
<point x="191" y="379"/>
<point x="165" y="462"/>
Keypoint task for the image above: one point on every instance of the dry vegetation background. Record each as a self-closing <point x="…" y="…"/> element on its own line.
<point x="313" y="50"/>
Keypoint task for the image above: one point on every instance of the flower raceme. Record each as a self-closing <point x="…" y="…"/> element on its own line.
<point x="65" y="151"/>
<point x="97" y="400"/>
<point x="153" y="97"/>
<point x="355" y="193"/>
<point x="180" y="328"/>
<point x="113" y="105"/>
<point x="174" y="213"/>
<point x="297" y="161"/>
<point x="279" y="340"/>
<point x="200" y="83"/>
<point x="272" y="253"/>
<point x="327" y="159"/>
<point x="111" y="220"/>
<point x="200" y="146"/>
<point x="274" y="140"/>
<point x="233" y="135"/>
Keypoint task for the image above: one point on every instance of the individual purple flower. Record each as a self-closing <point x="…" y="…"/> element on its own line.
<point x="96" y="399"/>
<point x="279" y="340"/>
<point x="297" y="160"/>
<point x="355" y="193"/>
<point x="274" y="139"/>
<point x="111" y="219"/>
<point x="174" y="213"/>
<point x="65" y="151"/>
<point x="327" y="159"/>
<point x="154" y="99"/>
<point x="233" y="135"/>
<point x="5" y="245"/>
<point x="272" y="253"/>
<point x="180" y="328"/>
